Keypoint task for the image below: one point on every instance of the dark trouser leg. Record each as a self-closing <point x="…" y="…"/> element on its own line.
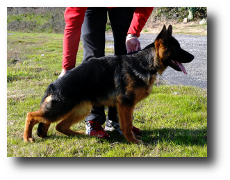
<point x="97" y="114"/>
<point x="120" y="19"/>
<point x="93" y="32"/>
<point x="93" y="37"/>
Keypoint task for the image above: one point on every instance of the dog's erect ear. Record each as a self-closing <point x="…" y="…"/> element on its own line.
<point x="162" y="33"/>
<point x="170" y="31"/>
<point x="160" y="37"/>
<point x="165" y="34"/>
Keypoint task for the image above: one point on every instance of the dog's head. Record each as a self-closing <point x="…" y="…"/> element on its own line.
<point x="169" y="52"/>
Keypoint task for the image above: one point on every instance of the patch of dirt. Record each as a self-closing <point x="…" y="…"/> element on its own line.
<point x="193" y="27"/>
<point x="17" y="97"/>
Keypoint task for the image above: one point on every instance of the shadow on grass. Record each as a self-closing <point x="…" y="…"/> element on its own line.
<point x="114" y="137"/>
<point x="175" y="136"/>
<point x="168" y="135"/>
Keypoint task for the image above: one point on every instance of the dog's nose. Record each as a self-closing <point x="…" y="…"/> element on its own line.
<point x="191" y="57"/>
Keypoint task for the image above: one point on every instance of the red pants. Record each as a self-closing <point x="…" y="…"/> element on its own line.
<point x="74" y="18"/>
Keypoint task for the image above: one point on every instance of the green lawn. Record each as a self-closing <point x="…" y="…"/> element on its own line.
<point x="173" y="119"/>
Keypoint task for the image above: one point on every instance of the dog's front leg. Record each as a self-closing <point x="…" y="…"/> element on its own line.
<point x="125" y="113"/>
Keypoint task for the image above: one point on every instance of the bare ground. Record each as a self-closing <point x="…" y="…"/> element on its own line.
<point x="193" y="27"/>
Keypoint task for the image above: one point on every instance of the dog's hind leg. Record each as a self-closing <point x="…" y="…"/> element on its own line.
<point x="42" y="129"/>
<point x="76" y="115"/>
<point x="32" y="119"/>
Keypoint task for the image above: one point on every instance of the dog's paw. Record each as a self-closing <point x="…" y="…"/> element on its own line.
<point x="29" y="140"/>
<point x="137" y="136"/>
<point x="140" y="142"/>
<point x="137" y="141"/>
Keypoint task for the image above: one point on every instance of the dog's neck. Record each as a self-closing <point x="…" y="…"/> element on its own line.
<point x="143" y="65"/>
<point x="149" y="56"/>
<point x="156" y="61"/>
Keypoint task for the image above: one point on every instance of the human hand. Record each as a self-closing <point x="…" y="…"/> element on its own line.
<point x="132" y="43"/>
<point x="63" y="72"/>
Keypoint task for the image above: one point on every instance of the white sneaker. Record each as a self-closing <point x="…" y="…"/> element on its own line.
<point x="111" y="126"/>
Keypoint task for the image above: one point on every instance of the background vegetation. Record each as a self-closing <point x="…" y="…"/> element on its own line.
<point x="179" y="13"/>
<point x="51" y="19"/>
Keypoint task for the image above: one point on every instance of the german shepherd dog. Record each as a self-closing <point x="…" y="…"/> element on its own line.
<point x="114" y="81"/>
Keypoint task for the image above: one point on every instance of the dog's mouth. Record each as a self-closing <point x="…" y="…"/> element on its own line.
<point x="177" y="66"/>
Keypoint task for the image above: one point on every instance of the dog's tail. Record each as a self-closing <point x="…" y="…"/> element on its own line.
<point x="50" y="90"/>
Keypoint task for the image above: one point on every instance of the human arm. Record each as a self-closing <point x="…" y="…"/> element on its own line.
<point x="140" y="17"/>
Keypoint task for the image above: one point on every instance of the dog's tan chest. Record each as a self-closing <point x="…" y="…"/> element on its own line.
<point x="151" y="82"/>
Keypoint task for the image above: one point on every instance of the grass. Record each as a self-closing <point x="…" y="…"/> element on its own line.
<point x="173" y="119"/>
<point x="43" y="19"/>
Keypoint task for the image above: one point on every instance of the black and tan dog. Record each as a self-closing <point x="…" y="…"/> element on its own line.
<point x="119" y="81"/>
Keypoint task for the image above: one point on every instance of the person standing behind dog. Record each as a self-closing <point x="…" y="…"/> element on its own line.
<point x="90" y="23"/>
